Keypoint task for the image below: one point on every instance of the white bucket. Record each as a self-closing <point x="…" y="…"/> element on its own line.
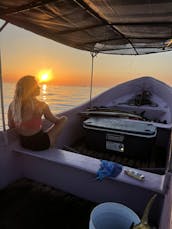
<point x="111" y="215"/>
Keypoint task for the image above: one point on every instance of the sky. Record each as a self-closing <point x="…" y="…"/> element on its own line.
<point x="25" y="53"/>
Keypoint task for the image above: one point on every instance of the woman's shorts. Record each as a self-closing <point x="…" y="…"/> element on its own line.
<point x="38" y="141"/>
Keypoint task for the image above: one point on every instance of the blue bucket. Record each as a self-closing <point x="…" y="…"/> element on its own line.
<point x="111" y="215"/>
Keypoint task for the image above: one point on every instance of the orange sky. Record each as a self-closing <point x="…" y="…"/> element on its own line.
<point x="23" y="53"/>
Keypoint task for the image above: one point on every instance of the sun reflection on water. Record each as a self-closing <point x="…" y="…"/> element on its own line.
<point x="59" y="98"/>
<point x="44" y="92"/>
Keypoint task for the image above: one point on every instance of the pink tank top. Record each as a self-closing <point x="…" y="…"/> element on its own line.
<point x="34" y="123"/>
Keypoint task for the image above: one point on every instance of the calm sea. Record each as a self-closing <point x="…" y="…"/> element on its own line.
<point x="59" y="98"/>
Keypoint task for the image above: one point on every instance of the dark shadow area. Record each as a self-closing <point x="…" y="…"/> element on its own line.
<point x="27" y="204"/>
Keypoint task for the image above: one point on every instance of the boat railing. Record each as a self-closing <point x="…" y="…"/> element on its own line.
<point x="37" y="163"/>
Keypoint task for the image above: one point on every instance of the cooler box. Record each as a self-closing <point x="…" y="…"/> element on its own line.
<point x="128" y="137"/>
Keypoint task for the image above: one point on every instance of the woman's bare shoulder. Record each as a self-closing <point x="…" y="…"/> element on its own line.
<point x="41" y="104"/>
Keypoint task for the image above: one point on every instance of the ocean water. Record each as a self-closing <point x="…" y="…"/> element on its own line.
<point x="59" y="98"/>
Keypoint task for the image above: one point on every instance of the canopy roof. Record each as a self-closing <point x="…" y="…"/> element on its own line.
<point x="130" y="27"/>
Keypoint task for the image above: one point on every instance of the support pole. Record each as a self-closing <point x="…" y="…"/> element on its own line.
<point x="2" y="97"/>
<point x="1" y="86"/>
<point x="93" y="54"/>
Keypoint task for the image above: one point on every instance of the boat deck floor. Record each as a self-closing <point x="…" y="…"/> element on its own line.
<point x="149" y="164"/>
<point x="28" y="204"/>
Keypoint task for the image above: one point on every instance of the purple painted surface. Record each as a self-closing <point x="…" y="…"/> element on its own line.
<point x="166" y="217"/>
<point x="76" y="173"/>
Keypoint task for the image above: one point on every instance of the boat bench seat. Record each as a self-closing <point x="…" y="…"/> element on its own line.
<point x="56" y="166"/>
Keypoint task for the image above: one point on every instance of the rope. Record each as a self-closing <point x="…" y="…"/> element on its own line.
<point x="93" y="54"/>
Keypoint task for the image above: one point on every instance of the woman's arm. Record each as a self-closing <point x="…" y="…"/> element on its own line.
<point x="10" y="118"/>
<point x="49" y="115"/>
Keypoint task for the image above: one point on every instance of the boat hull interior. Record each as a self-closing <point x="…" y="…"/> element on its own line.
<point x="135" y="135"/>
<point x="130" y="137"/>
<point x="129" y="124"/>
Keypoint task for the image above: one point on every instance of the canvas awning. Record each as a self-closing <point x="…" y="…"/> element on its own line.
<point x="130" y="27"/>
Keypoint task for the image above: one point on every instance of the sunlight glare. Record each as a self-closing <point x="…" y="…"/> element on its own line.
<point x="44" y="76"/>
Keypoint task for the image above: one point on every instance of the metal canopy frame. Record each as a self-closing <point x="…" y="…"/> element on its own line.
<point x="121" y="27"/>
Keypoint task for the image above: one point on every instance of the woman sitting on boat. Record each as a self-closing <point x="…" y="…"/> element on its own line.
<point x="25" y="113"/>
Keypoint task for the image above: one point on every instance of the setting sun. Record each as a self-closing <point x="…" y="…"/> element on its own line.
<point x="44" y="76"/>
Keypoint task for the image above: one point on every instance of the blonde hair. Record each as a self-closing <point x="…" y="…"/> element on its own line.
<point x="24" y="93"/>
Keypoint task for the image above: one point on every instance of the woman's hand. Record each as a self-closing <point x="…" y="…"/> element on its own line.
<point x="51" y="117"/>
<point x="62" y="118"/>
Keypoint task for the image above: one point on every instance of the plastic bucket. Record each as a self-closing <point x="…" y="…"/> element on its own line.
<point x="111" y="215"/>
